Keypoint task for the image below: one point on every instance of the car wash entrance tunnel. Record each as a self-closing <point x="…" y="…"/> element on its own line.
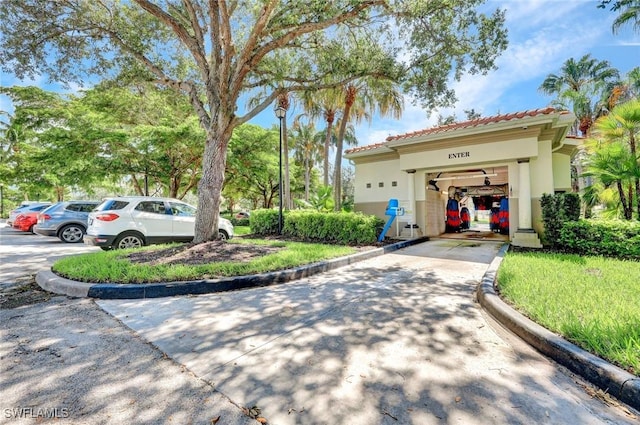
<point x="469" y="203"/>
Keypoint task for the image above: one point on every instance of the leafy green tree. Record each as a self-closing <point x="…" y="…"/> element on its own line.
<point x="146" y="133"/>
<point x="471" y="114"/>
<point x="252" y="166"/>
<point x="45" y="153"/>
<point x="581" y="87"/>
<point x="217" y="52"/>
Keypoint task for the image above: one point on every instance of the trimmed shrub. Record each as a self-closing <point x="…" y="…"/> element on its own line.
<point x="556" y="210"/>
<point x="315" y="226"/>
<point x="571" y="206"/>
<point x="620" y="239"/>
<point x="240" y="221"/>
<point x="264" y="222"/>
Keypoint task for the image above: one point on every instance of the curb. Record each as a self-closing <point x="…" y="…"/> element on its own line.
<point x="611" y="379"/>
<point x="56" y="284"/>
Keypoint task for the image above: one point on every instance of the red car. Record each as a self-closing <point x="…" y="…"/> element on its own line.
<point x="26" y="221"/>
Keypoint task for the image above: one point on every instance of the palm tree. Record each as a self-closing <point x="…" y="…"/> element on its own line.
<point x="307" y="151"/>
<point x="629" y="14"/>
<point x="622" y="124"/>
<point x="361" y="99"/>
<point x="627" y="89"/>
<point x="323" y="104"/>
<point x="611" y="163"/>
<point x="580" y="86"/>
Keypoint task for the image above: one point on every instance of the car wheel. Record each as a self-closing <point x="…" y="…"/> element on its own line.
<point x="129" y="240"/>
<point x="71" y="234"/>
<point x="105" y="248"/>
<point x="31" y="229"/>
<point x="223" y="235"/>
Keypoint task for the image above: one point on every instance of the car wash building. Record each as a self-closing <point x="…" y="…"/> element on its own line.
<point x="443" y="178"/>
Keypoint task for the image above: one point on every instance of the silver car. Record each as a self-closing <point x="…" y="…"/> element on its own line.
<point x="66" y="220"/>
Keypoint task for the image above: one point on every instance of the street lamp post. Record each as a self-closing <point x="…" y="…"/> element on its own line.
<point x="280" y="114"/>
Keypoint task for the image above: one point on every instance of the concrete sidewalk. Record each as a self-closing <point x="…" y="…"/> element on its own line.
<point x="396" y="339"/>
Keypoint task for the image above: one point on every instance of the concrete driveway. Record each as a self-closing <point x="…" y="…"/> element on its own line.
<point x="397" y="339"/>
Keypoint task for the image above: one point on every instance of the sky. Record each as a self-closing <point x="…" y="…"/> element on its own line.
<point x="543" y="34"/>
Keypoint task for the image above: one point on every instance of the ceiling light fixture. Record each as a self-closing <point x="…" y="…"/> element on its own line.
<point x="475" y="176"/>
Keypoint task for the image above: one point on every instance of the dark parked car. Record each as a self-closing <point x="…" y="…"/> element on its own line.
<point x="66" y="220"/>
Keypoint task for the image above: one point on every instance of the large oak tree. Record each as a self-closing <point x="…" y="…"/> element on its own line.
<point x="220" y="52"/>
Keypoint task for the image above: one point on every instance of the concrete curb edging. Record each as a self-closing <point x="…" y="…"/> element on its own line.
<point x="54" y="283"/>
<point x="612" y="379"/>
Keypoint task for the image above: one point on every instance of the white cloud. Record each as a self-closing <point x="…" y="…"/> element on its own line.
<point x="526" y="14"/>
<point x="543" y="34"/>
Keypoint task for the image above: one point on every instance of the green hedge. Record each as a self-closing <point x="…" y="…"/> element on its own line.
<point x="620" y="239"/>
<point x="558" y="209"/>
<point x="328" y="227"/>
<point x="239" y="221"/>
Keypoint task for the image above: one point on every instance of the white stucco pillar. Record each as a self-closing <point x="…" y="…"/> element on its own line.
<point x="525" y="235"/>
<point x="411" y="185"/>
<point x="524" y="201"/>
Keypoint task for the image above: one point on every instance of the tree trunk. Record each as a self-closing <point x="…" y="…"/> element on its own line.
<point x="210" y="187"/>
<point x="350" y="98"/>
<point x="632" y="145"/>
<point x="307" y="179"/>
<point x="630" y="203"/>
<point x="136" y="185"/>
<point x="623" y="199"/>
<point x="285" y="158"/>
<point x="327" y="141"/>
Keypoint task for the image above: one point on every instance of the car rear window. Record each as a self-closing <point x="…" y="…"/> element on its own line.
<point x="82" y="207"/>
<point x="112" y="204"/>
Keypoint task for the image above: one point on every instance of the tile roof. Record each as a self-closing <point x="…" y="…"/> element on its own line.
<point x="464" y="124"/>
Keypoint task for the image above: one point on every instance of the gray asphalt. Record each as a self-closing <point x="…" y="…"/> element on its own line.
<point x="394" y="339"/>
<point x="397" y="339"/>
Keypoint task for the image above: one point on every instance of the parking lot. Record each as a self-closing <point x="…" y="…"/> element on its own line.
<point x="24" y="254"/>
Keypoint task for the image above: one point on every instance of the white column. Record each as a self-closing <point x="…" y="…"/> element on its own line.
<point x="524" y="202"/>
<point x="412" y="195"/>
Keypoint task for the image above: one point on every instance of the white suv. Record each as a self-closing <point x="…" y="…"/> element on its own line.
<point x="134" y="221"/>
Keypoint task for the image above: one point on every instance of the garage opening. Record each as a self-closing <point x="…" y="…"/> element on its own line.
<point x="471" y="203"/>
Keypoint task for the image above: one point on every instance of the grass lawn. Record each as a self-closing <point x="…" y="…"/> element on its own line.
<point x="593" y="302"/>
<point x="241" y="230"/>
<point x="114" y="266"/>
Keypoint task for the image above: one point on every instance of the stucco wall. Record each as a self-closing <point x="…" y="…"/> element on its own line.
<point x="381" y="177"/>
<point x="561" y="172"/>
<point x="541" y="171"/>
<point x="482" y="153"/>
